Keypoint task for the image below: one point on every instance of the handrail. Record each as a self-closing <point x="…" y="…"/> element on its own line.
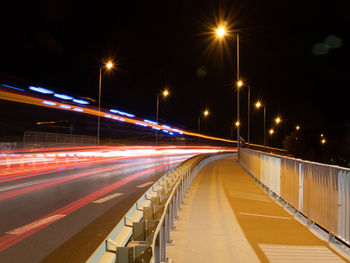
<point x="103" y="252"/>
<point x="117" y="243"/>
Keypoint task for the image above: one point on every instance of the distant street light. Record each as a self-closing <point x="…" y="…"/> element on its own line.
<point x="258" y="105"/>
<point x="221" y="32"/>
<point x="323" y="141"/>
<point x="109" y="65"/>
<point x="271" y="131"/>
<point x="297" y="127"/>
<point x="239" y="85"/>
<point x="248" y="116"/>
<point x="237" y="123"/>
<point x="165" y="93"/>
<point x="278" y="120"/>
<point x="205" y="114"/>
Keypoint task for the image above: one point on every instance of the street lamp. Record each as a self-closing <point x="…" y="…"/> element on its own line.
<point x="109" y="65"/>
<point x="278" y="120"/>
<point x="248" y="116"/>
<point x="297" y="127"/>
<point x="165" y="93"/>
<point x="221" y="33"/>
<point x="239" y="85"/>
<point x="205" y="114"/>
<point x="271" y="131"/>
<point x="258" y="105"/>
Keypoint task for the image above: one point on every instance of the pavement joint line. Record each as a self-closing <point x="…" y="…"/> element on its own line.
<point x="107" y="198"/>
<point x="35" y="224"/>
<point x="261" y="215"/>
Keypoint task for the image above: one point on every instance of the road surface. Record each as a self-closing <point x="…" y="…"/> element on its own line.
<point x="60" y="211"/>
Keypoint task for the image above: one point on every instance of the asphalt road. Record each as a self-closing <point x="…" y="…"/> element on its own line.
<point x="62" y="215"/>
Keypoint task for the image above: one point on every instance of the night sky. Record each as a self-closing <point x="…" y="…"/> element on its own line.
<point x="294" y="55"/>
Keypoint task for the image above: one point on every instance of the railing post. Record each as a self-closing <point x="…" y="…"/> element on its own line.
<point x="162" y="239"/>
<point x="167" y="224"/>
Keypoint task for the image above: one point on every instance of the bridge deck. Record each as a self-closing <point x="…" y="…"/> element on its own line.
<point x="227" y="217"/>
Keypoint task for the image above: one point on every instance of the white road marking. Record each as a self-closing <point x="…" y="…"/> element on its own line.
<point x="145" y="184"/>
<point x="299" y="254"/>
<point x="107" y="198"/>
<point x="35" y="224"/>
<point x="249" y="214"/>
<point x="249" y="196"/>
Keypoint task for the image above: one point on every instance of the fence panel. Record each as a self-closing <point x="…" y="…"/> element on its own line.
<point x="344" y="205"/>
<point x="320" y="194"/>
<point x="270" y="172"/>
<point x="290" y="181"/>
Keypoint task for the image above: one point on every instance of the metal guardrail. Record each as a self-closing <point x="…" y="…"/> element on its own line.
<point x="6" y="147"/>
<point x="320" y="192"/>
<point x="49" y="138"/>
<point x="142" y="234"/>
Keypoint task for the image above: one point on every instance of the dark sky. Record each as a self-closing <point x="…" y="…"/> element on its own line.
<point x="294" y="54"/>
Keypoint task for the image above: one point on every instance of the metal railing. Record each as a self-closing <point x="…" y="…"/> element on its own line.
<point x="48" y="138"/>
<point x="320" y="192"/>
<point x="142" y="234"/>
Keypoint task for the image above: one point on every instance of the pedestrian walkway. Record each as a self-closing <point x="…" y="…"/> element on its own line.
<point x="227" y="217"/>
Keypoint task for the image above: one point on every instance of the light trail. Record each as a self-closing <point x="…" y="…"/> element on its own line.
<point x="18" y="166"/>
<point x="12" y="191"/>
<point x="18" y="234"/>
<point x="53" y="104"/>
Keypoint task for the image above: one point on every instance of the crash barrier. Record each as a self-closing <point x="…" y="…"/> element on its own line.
<point x="7" y="146"/>
<point x="142" y="234"/>
<point x="318" y="191"/>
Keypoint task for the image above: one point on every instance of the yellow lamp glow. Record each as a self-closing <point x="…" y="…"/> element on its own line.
<point x="220" y="32"/>
<point x="165" y="93"/>
<point x="109" y="65"/>
<point x="239" y="83"/>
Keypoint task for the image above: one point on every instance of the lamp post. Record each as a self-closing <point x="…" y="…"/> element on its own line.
<point x="109" y="65"/>
<point x="248" y="116"/>
<point x="278" y="120"/>
<point x="258" y="105"/>
<point x="239" y="85"/>
<point x="205" y="114"/>
<point x="220" y="33"/>
<point x="165" y="93"/>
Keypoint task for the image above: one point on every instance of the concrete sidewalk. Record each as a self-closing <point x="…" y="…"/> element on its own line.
<point x="227" y="217"/>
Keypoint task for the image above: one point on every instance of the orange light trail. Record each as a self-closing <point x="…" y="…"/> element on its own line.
<point x="53" y="104"/>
